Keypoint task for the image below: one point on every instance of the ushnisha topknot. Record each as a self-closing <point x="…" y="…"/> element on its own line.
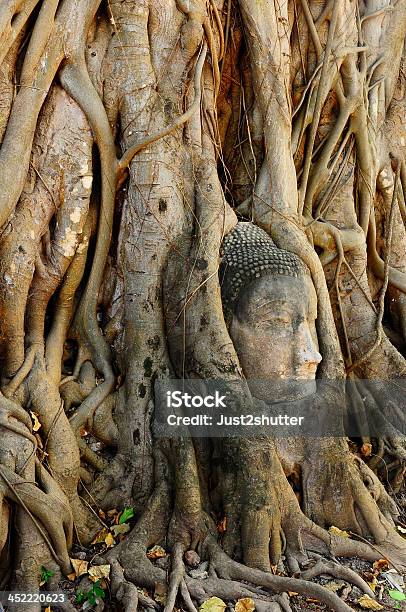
<point x="248" y="252"/>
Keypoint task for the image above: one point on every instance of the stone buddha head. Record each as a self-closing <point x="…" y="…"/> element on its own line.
<point x="270" y="307"/>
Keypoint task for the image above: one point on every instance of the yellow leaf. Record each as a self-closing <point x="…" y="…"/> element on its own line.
<point x="373" y="584"/>
<point x="37" y="425"/>
<point x="48" y="609"/>
<point x="368" y="603"/>
<point x="71" y="576"/>
<point x="214" y="604"/>
<point x="245" y="604"/>
<point x="339" y="532"/>
<point x="100" y="536"/>
<point x="79" y="566"/>
<point x="156" y="552"/>
<point x="98" y="572"/>
<point x="109" y="540"/>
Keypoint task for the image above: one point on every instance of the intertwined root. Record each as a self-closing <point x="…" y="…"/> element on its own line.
<point x="43" y="500"/>
<point x="264" y="523"/>
<point x="48" y="508"/>
<point x="264" y="519"/>
<point x="227" y="579"/>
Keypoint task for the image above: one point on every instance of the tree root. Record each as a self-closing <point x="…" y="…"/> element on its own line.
<point x="228" y="590"/>
<point x="337" y="571"/>
<point x="176" y="576"/>
<point x="353" y="496"/>
<point x="182" y="119"/>
<point x="47" y="507"/>
<point x="16" y="148"/>
<point x="125" y="592"/>
<point x="12" y="21"/>
<point x="65" y="303"/>
<point x="231" y="580"/>
<point x="186" y="597"/>
<point x="61" y="445"/>
<point x="228" y="579"/>
<point x="21" y="374"/>
<point x="229" y="569"/>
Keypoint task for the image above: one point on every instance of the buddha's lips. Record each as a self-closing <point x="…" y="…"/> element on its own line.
<point x="306" y="372"/>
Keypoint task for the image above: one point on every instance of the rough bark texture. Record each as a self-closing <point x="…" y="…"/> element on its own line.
<point x="134" y="134"/>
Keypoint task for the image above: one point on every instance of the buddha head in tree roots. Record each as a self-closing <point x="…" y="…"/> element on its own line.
<point x="270" y="307"/>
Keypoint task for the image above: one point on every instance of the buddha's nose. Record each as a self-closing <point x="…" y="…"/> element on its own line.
<point x="308" y="353"/>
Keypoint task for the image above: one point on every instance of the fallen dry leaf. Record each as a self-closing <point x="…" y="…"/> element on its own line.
<point x="380" y="565"/>
<point x="339" y="532"/>
<point x="109" y="540"/>
<point x="222" y="525"/>
<point x="120" y="529"/>
<point x="368" y="603"/>
<point x="98" y="572"/>
<point x="71" y="576"/>
<point x="366" y="449"/>
<point x="214" y="604"/>
<point x="79" y="566"/>
<point x="36" y="424"/>
<point x="246" y="604"/>
<point x="48" y="609"/>
<point x="156" y="552"/>
<point x="100" y="536"/>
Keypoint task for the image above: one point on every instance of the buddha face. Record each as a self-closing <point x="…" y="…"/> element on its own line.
<point x="274" y="334"/>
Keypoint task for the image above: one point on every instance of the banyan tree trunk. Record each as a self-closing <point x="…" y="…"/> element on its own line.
<point x="134" y="135"/>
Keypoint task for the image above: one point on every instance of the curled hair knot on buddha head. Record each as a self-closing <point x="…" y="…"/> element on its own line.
<point x="247" y="253"/>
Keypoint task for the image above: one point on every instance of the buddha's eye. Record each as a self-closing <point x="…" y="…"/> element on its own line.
<point x="278" y="321"/>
